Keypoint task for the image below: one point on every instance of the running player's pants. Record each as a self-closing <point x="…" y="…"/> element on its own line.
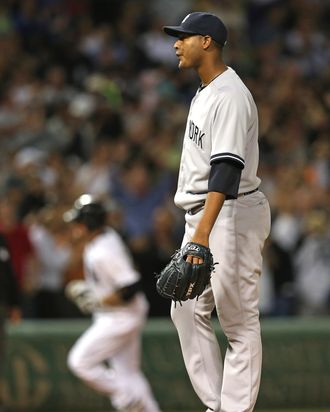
<point x="107" y="358"/>
<point x="236" y="242"/>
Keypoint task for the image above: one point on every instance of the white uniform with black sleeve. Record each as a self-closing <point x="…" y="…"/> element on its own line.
<point x="115" y="334"/>
<point x="222" y="127"/>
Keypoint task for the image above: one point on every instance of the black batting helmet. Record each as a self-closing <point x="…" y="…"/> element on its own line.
<point x="88" y="211"/>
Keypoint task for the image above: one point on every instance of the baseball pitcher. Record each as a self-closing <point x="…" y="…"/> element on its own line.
<point x="227" y="222"/>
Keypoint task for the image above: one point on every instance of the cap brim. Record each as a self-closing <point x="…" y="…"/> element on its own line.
<point x="176" y="31"/>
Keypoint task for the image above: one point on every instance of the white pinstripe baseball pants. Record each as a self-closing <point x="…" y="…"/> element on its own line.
<point x="114" y="338"/>
<point x="236" y="242"/>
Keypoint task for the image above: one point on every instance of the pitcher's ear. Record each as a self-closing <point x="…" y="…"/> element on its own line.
<point x="206" y="42"/>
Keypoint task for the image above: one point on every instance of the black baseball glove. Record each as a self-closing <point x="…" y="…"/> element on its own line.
<point x="181" y="280"/>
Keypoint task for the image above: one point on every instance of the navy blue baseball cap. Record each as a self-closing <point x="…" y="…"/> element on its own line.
<point x="205" y="24"/>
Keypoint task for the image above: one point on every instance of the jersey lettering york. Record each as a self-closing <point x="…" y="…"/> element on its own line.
<point x="222" y="126"/>
<point x="195" y="134"/>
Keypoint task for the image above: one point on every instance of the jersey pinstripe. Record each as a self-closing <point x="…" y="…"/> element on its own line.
<point x="222" y="125"/>
<point x="105" y="278"/>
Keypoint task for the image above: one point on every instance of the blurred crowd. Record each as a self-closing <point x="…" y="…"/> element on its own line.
<point x="91" y="101"/>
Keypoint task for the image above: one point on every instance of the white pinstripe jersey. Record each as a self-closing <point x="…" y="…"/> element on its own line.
<point x="222" y="124"/>
<point x="108" y="265"/>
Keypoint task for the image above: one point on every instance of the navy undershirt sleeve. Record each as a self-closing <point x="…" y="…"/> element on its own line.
<point x="225" y="177"/>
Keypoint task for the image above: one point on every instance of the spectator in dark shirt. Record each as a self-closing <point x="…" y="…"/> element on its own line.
<point x="9" y="300"/>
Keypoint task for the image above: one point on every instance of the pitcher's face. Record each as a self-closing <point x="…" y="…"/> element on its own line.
<point x="188" y="49"/>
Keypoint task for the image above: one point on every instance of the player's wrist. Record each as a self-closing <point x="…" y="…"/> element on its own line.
<point x="201" y="238"/>
<point x="111" y="300"/>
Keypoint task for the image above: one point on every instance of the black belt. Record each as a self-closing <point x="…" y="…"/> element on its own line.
<point x="248" y="193"/>
<point x="199" y="207"/>
<point x="196" y="209"/>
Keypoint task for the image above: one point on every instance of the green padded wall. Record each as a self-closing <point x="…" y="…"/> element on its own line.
<point x="296" y="371"/>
